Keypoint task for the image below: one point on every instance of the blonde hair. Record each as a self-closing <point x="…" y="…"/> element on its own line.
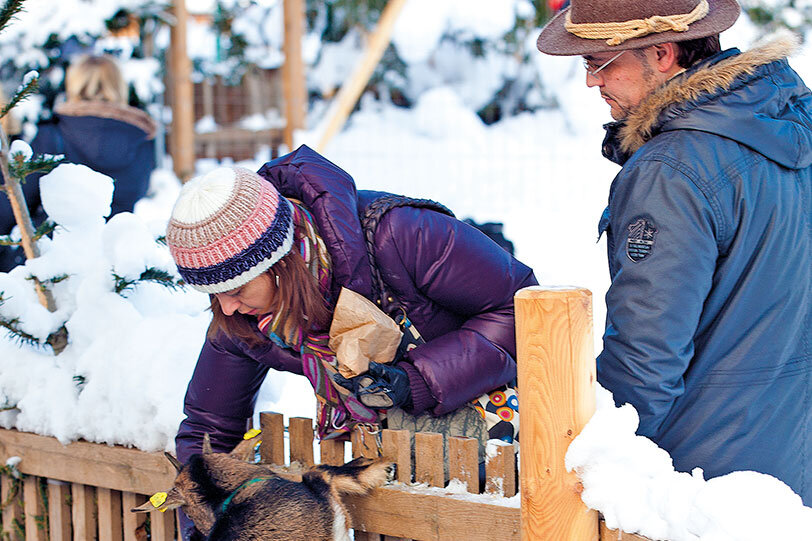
<point x="96" y="78"/>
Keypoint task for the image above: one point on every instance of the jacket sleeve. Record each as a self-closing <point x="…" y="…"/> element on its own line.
<point x="654" y="303"/>
<point x="463" y="272"/>
<point x="222" y="393"/>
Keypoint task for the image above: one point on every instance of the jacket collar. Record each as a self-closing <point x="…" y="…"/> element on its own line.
<point x="712" y="76"/>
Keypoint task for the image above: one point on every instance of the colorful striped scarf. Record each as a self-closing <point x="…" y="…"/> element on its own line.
<point x="338" y="410"/>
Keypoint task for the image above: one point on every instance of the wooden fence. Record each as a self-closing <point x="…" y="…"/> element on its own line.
<point x="83" y="491"/>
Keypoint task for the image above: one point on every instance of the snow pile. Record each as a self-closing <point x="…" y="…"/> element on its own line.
<point x="122" y="378"/>
<point x="632" y="482"/>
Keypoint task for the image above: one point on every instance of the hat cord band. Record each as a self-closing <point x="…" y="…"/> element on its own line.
<point x="619" y="32"/>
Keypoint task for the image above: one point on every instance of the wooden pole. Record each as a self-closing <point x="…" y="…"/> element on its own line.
<point x="556" y="375"/>
<point x="16" y="199"/>
<point x="352" y="88"/>
<point x="183" y="115"/>
<point x="293" y="71"/>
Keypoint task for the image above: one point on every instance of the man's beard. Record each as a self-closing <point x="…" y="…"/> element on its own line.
<point x="626" y="111"/>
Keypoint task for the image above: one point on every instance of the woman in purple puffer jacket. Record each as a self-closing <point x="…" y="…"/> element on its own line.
<point x="273" y="250"/>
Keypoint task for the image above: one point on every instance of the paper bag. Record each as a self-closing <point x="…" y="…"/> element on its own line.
<point x="361" y="333"/>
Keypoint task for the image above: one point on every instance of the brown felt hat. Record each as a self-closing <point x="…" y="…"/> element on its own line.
<point x="599" y="26"/>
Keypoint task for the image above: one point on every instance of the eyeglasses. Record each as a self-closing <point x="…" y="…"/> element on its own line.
<point x="594" y="72"/>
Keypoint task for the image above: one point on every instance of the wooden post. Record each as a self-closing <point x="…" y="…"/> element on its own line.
<point x="397" y="447"/>
<point x="183" y="114"/>
<point x="556" y="375"/>
<point x="36" y="521"/>
<point x="12" y="513"/>
<point x="352" y="88"/>
<point x="16" y="199"/>
<point x="132" y="523"/>
<point x="293" y="71"/>
<point x="59" y="511"/>
<point x="300" y="436"/>
<point x="463" y="462"/>
<point x="109" y="506"/>
<point x="428" y="459"/>
<point x="210" y="150"/>
<point x="83" y="512"/>
<point x="272" y="448"/>
<point x="162" y="525"/>
<point x="365" y="442"/>
<point x="331" y="452"/>
<point x="500" y="469"/>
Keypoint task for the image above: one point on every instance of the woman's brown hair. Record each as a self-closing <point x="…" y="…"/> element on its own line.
<point x="296" y="295"/>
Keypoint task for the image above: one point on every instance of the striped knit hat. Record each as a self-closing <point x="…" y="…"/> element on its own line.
<point x="228" y="227"/>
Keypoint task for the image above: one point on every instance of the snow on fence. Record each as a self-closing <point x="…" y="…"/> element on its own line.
<point x="84" y="491"/>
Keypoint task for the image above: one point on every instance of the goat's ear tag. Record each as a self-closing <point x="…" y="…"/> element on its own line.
<point x="157" y="499"/>
<point x="251" y="433"/>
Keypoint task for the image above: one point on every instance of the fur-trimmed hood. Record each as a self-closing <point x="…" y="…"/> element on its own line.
<point x="753" y="97"/>
<point x="113" y="111"/>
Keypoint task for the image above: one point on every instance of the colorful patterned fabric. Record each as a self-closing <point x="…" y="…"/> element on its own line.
<point x="338" y="410"/>
<point x="228" y="227"/>
<point x="500" y="410"/>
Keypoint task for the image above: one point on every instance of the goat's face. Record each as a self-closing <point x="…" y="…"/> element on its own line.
<point x="193" y="481"/>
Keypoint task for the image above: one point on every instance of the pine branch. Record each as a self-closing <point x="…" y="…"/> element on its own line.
<point x="11" y="325"/>
<point x="19" y="335"/>
<point x="150" y="275"/>
<point x="46" y="228"/>
<point x="26" y="89"/>
<point x="6" y="240"/>
<point x="8" y="11"/>
<point x="56" y="279"/>
<point x="21" y="168"/>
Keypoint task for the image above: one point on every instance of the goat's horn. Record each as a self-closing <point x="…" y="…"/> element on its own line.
<point x="175" y="462"/>
<point x="207" y="444"/>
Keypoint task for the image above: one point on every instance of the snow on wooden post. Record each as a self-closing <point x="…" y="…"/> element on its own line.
<point x="183" y="114"/>
<point x="556" y="375"/>
<point x="293" y="70"/>
<point x="352" y="88"/>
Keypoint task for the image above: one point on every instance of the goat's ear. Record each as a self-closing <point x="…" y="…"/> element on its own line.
<point x="245" y="450"/>
<point x="174" y="461"/>
<point x="207" y="444"/>
<point x="170" y="500"/>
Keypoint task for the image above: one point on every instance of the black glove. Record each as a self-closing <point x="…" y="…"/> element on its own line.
<point x="382" y="386"/>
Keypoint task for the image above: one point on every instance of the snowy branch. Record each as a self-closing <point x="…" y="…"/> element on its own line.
<point x="9" y="10"/>
<point x="150" y="275"/>
<point x="40" y="163"/>
<point x="28" y="88"/>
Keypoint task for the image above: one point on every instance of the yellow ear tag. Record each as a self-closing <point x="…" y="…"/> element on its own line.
<point x="157" y="499"/>
<point x="251" y="433"/>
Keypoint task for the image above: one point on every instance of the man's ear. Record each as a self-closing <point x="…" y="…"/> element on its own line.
<point x="665" y="57"/>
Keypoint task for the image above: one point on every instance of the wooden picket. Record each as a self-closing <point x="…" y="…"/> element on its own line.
<point x="91" y="487"/>
<point x="83" y="510"/>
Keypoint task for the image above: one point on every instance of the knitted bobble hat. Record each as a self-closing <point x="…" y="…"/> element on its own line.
<point x="228" y="227"/>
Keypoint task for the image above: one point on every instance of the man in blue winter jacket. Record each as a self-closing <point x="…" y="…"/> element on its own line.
<point x="709" y="232"/>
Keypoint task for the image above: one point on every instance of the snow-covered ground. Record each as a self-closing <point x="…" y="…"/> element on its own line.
<point x="122" y="378"/>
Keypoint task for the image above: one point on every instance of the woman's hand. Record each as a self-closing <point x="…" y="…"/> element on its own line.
<point x="383" y="386"/>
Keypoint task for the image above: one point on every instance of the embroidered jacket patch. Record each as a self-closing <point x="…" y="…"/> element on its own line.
<point x="640" y="241"/>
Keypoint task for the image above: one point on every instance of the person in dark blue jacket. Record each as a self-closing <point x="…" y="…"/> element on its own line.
<point x="709" y="233"/>
<point x="94" y="127"/>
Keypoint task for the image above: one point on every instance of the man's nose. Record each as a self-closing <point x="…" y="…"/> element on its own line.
<point x="229" y="305"/>
<point x="593" y="80"/>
